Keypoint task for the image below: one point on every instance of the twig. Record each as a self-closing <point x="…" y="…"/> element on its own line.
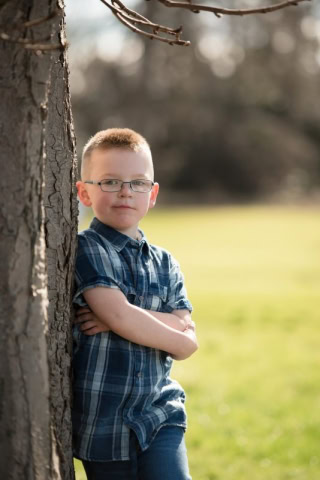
<point x="196" y="8"/>
<point x="40" y="20"/>
<point x="131" y="19"/>
<point x="29" y="43"/>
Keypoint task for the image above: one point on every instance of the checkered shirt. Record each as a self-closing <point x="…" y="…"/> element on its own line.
<point x="119" y="385"/>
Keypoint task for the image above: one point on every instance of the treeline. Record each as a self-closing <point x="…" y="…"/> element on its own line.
<point x="235" y="117"/>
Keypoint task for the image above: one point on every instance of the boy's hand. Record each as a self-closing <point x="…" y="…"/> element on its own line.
<point x="185" y="319"/>
<point x="178" y="319"/>
<point x="89" y="322"/>
<point x="190" y="326"/>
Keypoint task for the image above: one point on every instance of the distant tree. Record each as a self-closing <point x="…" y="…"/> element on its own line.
<point x="240" y="104"/>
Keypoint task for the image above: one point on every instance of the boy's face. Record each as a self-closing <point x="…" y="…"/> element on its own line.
<point x="124" y="209"/>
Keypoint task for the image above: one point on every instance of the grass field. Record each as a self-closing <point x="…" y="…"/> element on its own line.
<point x="253" y="276"/>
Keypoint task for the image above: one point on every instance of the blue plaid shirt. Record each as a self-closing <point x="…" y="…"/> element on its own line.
<point x="119" y="385"/>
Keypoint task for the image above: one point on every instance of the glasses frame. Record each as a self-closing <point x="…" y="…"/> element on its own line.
<point x="93" y="182"/>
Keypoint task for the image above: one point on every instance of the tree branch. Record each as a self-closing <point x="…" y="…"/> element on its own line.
<point x="196" y="8"/>
<point x="38" y="21"/>
<point x="130" y="19"/>
<point x="145" y="27"/>
<point x="29" y="43"/>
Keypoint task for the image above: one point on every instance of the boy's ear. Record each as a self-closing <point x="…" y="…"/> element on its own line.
<point x="154" y="194"/>
<point x="83" y="194"/>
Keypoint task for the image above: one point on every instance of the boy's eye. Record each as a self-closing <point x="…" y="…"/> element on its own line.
<point x="110" y="182"/>
<point x="139" y="183"/>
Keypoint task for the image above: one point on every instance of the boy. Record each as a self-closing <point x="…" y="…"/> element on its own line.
<point x="128" y="415"/>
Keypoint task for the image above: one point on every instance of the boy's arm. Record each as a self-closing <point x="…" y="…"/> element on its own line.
<point x="138" y="325"/>
<point x="177" y="319"/>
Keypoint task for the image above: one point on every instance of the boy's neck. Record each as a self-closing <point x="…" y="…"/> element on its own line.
<point x="135" y="234"/>
<point x="138" y="236"/>
<point x="132" y="233"/>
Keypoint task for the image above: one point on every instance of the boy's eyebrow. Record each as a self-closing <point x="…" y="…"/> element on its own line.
<point x="116" y="176"/>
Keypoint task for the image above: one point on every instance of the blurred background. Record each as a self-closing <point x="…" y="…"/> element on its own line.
<point x="241" y="103"/>
<point x="234" y="126"/>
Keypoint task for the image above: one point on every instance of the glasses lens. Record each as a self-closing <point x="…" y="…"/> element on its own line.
<point x="114" y="185"/>
<point x="141" y="186"/>
<point x="110" y="185"/>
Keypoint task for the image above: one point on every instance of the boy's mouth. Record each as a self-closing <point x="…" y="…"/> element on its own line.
<point x="123" y="206"/>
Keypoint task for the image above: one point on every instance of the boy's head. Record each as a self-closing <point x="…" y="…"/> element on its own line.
<point x="122" y="138"/>
<point x="117" y="178"/>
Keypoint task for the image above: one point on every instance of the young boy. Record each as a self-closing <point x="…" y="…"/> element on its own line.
<point x="128" y="414"/>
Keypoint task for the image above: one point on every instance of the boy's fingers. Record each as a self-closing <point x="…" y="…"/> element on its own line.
<point x="83" y="318"/>
<point x="87" y="325"/>
<point x="92" y="331"/>
<point x="81" y="311"/>
<point x="191" y="326"/>
<point x="78" y="320"/>
<point x="96" y="329"/>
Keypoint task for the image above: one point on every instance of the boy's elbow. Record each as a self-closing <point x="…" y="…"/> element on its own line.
<point x="188" y="348"/>
<point x="192" y="348"/>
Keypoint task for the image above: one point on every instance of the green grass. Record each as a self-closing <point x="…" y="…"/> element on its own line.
<point x="253" y="276"/>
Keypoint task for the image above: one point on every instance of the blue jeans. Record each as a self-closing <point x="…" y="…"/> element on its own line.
<point x="165" y="459"/>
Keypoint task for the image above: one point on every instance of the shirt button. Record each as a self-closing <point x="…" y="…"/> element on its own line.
<point x="139" y="374"/>
<point x="141" y="298"/>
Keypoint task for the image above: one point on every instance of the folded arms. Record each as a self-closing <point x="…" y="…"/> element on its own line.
<point x="171" y="332"/>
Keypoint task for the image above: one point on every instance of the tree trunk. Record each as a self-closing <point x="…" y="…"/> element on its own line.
<point x="37" y="210"/>
<point x="61" y="213"/>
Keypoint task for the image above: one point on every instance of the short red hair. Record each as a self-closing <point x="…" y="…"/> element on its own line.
<point x="113" y="138"/>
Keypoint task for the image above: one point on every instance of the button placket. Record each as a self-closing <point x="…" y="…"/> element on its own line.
<point x="140" y="284"/>
<point x="138" y="365"/>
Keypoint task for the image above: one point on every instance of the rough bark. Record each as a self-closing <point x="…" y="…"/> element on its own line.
<point x="60" y="233"/>
<point x="34" y="411"/>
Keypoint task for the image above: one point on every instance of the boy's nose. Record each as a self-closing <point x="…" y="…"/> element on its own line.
<point x="125" y="190"/>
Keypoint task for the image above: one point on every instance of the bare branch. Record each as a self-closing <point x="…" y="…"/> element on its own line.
<point x="38" y="21"/>
<point x="131" y="19"/>
<point x="139" y="24"/>
<point x="196" y="8"/>
<point x="30" y="44"/>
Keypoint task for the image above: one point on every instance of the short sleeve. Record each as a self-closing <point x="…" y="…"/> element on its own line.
<point x="97" y="265"/>
<point x="177" y="294"/>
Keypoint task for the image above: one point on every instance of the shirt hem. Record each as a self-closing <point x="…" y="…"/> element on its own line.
<point x="125" y="458"/>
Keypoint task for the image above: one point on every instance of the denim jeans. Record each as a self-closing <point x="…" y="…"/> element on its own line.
<point x="165" y="459"/>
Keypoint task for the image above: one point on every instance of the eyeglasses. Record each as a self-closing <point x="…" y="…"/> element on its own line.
<point x="114" y="185"/>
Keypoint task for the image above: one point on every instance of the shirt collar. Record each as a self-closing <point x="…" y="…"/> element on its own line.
<point x="118" y="239"/>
